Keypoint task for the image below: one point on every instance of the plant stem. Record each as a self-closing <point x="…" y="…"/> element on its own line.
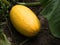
<point x="2" y="23"/>
<point x="22" y="3"/>
<point x="29" y="4"/>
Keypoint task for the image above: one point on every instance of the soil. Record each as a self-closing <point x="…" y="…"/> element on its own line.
<point x="44" y="37"/>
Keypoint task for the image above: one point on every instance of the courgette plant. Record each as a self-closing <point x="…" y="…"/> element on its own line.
<point x="51" y="11"/>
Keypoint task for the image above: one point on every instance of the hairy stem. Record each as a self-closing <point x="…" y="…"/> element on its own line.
<point x="29" y="4"/>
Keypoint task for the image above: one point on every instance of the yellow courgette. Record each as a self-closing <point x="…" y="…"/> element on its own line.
<point x="24" y="20"/>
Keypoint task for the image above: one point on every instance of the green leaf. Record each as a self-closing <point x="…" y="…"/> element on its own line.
<point x="44" y="2"/>
<point x="3" y="39"/>
<point x="52" y="13"/>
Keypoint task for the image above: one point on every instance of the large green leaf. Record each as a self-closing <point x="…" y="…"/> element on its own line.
<point x="52" y="13"/>
<point x="44" y="2"/>
<point x="3" y="39"/>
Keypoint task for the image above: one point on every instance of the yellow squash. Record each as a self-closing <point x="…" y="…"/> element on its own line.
<point x="24" y="20"/>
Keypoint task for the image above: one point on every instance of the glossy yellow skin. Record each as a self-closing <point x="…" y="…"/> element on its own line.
<point x="24" y="20"/>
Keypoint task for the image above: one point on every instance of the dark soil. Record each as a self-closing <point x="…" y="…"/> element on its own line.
<point x="44" y="37"/>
